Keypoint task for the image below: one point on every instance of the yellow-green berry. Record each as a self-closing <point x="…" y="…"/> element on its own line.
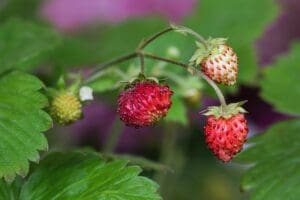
<point x="66" y="108"/>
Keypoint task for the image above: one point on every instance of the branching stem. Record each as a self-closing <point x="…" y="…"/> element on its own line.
<point x="96" y="73"/>
<point x="193" y="71"/>
<point x="97" y="70"/>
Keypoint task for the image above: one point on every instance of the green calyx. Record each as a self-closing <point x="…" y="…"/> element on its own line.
<point x="141" y="78"/>
<point x="226" y="111"/>
<point x="62" y="87"/>
<point x="206" y="49"/>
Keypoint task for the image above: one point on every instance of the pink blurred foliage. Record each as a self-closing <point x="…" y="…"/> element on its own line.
<point x="70" y="15"/>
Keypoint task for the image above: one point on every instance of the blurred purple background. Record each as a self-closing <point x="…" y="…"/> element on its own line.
<point x="69" y="15"/>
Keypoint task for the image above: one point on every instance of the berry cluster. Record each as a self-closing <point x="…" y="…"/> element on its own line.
<point x="144" y="101"/>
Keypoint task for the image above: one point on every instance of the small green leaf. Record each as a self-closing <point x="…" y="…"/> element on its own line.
<point x="275" y="163"/>
<point x="23" y="45"/>
<point x="21" y="122"/>
<point x="280" y="84"/>
<point x="77" y="176"/>
<point x="177" y="112"/>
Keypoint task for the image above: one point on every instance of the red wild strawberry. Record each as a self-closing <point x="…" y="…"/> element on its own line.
<point x="218" y="61"/>
<point x="143" y="103"/>
<point x="226" y="130"/>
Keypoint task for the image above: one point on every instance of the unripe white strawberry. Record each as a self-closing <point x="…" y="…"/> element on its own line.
<point x="222" y="65"/>
<point x="217" y="60"/>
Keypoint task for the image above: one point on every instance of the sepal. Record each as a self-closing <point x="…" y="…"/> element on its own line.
<point x="225" y="111"/>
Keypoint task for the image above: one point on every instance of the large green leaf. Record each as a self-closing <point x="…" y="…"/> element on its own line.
<point x="280" y="83"/>
<point x="23" y="44"/>
<point x="240" y="21"/>
<point x="275" y="169"/>
<point x="21" y="123"/>
<point x="77" y="175"/>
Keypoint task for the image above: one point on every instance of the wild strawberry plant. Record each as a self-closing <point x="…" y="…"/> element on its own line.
<point x="28" y="106"/>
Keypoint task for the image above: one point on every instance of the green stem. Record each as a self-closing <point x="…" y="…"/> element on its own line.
<point x="96" y="73"/>
<point x="113" y="137"/>
<point x="154" y="37"/>
<point x="136" y="160"/>
<point x="199" y="37"/>
<point x="170" y="155"/>
<point x="142" y="60"/>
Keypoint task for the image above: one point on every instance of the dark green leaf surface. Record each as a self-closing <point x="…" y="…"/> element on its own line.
<point x="275" y="169"/>
<point x="240" y="21"/>
<point x="280" y="84"/>
<point x="23" y="44"/>
<point x="21" y="122"/>
<point x="78" y="176"/>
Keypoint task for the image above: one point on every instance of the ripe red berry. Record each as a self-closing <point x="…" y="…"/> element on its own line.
<point x="143" y="103"/>
<point x="221" y="65"/>
<point x="226" y="131"/>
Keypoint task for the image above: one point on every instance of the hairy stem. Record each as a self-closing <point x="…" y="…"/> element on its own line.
<point x="139" y="52"/>
<point x="199" y="37"/>
<point x="142" y="61"/>
<point x="97" y="70"/>
<point x="136" y="160"/>
<point x="152" y="38"/>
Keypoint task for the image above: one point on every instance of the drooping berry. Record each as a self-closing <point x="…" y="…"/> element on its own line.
<point x="65" y="108"/>
<point x="226" y="131"/>
<point x="217" y="60"/>
<point x="221" y="65"/>
<point x="143" y="103"/>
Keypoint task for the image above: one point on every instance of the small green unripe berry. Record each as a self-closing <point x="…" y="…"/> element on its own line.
<point x="65" y="108"/>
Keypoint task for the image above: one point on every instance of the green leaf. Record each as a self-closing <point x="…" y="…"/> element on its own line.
<point x="275" y="163"/>
<point x="86" y="176"/>
<point x="280" y="83"/>
<point x="240" y="22"/>
<point x="177" y="112"/>
<point x="21" y="123"/>
<point x="24" y="45"/>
